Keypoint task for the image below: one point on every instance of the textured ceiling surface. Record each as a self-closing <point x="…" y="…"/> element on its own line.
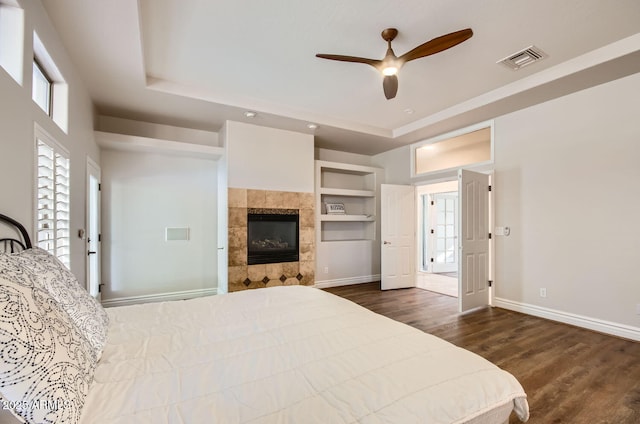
<point x="197" y="63"/>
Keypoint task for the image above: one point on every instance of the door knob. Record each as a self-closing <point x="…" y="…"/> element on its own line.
<point x="91" y="253"/>
<point x="387" y="242"/>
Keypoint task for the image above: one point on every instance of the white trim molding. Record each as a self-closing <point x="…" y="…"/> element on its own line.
<point x="346" y="281"/>
<point x="160" y="297"/>
<point x="602" y="326"/>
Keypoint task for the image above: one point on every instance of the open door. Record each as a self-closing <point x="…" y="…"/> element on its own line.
<point x="473" y="267"/>
<point x="398" y="229"/>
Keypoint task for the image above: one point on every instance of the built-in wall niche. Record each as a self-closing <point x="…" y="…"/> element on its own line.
<point x="468" y="147"/>
<point x="340" y="177"/>
<point x="354" y="188"/>
<point x="347" y="230"/>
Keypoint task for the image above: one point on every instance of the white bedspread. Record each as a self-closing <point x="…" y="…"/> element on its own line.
<point x="287" y="355"/>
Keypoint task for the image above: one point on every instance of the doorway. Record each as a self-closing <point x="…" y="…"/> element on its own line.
<point x="438" y="241"/>
<point x="474" y="247"/>
<point x="93" y="229"/>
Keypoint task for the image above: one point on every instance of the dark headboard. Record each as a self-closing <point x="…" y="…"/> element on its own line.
<point x="11" y="244"/>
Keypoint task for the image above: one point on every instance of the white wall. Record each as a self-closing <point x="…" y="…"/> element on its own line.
<point x="264" y="158"/>
<point x="566" y="182"/>
<point x="18" y="113"/>
<point x="143" y="193"/>
<point x="396" y="164"/>
<point x="566" y="179"/>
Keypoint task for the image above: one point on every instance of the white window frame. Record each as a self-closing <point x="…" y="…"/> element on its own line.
<point x="52" y="196"/>
<point x="47" y="105"/>
<point x="59" y="94"/>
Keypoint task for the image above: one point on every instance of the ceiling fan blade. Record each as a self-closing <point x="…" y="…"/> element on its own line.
<point x="390" y="86"/>
<point x="437" y="45"/>
<point x="373" y="62"/>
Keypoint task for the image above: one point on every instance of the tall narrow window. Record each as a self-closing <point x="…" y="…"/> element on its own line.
<point x="53" y="198"/>
<point x="49" y="90"/>
<point x="12" y="39"/>
<point x="42" y="88"/>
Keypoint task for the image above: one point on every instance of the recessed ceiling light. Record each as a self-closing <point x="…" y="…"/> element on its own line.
<point x="409" y="111"/>
<point x="312" y="126"/>
<point x="250" y="114"/>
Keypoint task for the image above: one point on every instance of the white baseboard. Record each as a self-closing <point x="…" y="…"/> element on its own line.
<point x="160" y="297"/>
<point x="602" y="326"/>
<point x="346" y="281"/>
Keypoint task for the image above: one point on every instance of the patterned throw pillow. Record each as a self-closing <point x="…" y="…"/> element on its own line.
<point x="46" y="365"/>
<point x="51" y="275"/>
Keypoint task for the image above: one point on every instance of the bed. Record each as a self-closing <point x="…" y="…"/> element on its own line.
<point x="288" y="354"/>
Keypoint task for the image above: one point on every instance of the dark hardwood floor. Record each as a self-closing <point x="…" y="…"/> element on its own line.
<point x="571" y="375"/>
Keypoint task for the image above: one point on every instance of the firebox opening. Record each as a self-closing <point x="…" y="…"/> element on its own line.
<point x="272" y="237"/>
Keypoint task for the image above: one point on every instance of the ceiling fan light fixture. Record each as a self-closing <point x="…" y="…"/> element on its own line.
<point x="389" y="70"/>
<point x="391" y="64"/>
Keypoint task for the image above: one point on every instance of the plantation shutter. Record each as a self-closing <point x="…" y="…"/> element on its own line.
<point x="53" y="200"/>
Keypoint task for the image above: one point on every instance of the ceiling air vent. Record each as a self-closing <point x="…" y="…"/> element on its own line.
<point x="523" y="58"/>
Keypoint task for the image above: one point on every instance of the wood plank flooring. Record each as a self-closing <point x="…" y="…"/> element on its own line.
<point x="571" y="375"/>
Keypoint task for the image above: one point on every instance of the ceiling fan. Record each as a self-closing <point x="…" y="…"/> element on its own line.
<point x="391" y="64"/>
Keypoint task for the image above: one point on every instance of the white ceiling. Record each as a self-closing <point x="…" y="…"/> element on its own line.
<point x="197" y="63"/>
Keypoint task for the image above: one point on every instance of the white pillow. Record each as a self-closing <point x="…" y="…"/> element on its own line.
<point x="52" y="276"/>
<point x="46" y="365"/>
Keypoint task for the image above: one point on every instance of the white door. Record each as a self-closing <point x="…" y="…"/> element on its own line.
<point x="444" y="232"/>
<point x="93" y="229"/>
<point x="398" y="228"/>
<point x="473" y="271"/>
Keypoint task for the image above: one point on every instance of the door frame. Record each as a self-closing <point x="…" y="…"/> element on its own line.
<point x="92" y="169"/>
<point x="441" y="186"/>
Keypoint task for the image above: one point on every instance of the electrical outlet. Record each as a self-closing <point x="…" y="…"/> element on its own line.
<point x="543" y="292"/>
<point x="326" y="269"/>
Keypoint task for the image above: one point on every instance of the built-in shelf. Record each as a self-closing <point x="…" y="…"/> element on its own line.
<point x="352" y="218"/>
<point x="347" y="192"/>
<point x="354" y="186"/>
<point x="135" y="143"/>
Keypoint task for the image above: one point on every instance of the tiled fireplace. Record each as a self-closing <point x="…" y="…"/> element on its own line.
<point x="277" y="206"/>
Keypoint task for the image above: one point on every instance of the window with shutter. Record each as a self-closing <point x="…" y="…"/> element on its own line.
<point x="53" y="197"/>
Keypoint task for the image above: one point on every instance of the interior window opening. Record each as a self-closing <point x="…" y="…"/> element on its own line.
<point x="12" y="39"/>
<point x="469" y="147"/>
<point x="49" y="89"/>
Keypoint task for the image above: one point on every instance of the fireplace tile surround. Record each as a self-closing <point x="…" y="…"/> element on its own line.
<point x="243" y="276"/>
